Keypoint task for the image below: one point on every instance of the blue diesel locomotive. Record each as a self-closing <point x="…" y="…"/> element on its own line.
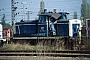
<point x="48" y="24"/>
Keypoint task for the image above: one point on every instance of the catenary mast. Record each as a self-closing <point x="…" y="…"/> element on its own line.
<point x="13" y="9"/>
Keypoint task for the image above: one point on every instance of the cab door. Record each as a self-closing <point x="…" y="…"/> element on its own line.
<point x="75" y="29"/>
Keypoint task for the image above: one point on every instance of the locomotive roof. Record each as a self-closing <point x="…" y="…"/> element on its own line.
<point x="28" y="22"/>
<point x="54" y="15"/>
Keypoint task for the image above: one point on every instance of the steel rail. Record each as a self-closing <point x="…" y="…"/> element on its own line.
<point x="46" y="53"/>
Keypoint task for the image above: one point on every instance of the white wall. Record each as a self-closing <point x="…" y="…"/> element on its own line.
<point x="0" y="31"/>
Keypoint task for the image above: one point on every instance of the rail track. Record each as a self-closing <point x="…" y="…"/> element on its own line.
<point x="69" y="53"/>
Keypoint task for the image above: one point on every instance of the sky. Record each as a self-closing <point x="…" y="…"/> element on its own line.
<point x="34" y="6"/>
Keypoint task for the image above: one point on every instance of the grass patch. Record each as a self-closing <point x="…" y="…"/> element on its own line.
<point x="86" y="43"/>
<point x="24" y="47"/>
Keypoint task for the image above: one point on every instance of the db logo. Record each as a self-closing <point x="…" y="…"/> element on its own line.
<point x="42" y="28"/>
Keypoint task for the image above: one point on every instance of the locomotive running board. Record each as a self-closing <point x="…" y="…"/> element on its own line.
<point x="21" y="38"/>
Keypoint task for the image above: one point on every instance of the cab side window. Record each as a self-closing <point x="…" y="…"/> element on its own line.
<point x="42" y="19"/>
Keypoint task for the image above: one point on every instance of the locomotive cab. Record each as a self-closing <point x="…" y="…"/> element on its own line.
<point x="50" y="22"/>
<point x="43" y="25"/>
